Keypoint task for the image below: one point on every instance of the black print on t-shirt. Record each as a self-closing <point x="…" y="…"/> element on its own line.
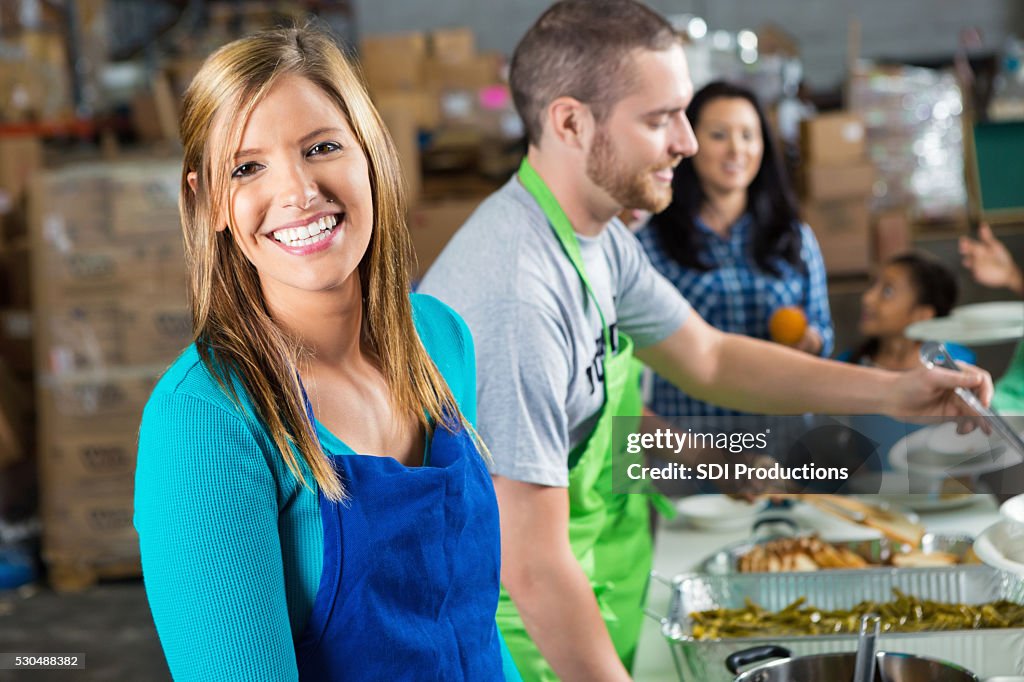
<point x="595" y="373"/>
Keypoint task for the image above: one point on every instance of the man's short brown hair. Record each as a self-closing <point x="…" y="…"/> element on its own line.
<point x="580" y="49"/>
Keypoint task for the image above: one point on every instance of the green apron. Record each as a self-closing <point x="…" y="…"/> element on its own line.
<point x="609" y="534"/>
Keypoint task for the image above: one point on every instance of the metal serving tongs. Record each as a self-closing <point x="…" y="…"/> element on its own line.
<point x="864" y="662"/>
<point x="934" y="354"/>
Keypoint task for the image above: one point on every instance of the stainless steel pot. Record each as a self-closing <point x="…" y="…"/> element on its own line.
<point x="890" y="667"/>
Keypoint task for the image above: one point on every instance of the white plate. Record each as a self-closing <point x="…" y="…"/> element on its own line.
<point x="718" y="512"/>
<point x="1001" y="546"/>
<point x="959" y="330"/>
<point x="1013" y="509"/>
<point x="915" y="454"/>
<point x="998" y="314"/>
<point x="944" y="441"/>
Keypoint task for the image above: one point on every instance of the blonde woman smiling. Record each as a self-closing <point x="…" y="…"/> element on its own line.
<point x="311" y="499"/>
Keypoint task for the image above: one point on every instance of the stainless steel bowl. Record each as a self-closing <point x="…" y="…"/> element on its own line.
<point x="890" y="667"/>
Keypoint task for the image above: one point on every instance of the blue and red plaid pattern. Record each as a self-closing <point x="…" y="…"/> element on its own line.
<point x="737" y="296"/>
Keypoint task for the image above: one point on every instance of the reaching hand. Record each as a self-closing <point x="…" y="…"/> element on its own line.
<point x="990" y="261"/>
<point x="925" y="392"/>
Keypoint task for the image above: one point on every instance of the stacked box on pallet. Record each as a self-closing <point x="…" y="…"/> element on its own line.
<point x="836" y="182"/>
<point x="110" y="315"/>
<point x="913" y="119"/>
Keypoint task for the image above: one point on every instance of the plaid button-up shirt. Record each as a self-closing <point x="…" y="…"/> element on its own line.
<point x="737" y="296"/>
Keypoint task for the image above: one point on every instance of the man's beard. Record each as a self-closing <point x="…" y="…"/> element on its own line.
<point x="630" y="189"/>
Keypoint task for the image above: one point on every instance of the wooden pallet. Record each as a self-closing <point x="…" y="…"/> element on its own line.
<point x="78" y="575"/>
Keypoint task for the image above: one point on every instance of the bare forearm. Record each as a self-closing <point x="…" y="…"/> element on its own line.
<point x="758" y="376"/>
<point x="557" y="606"/>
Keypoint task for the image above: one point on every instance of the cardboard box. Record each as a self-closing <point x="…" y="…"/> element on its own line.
<point x="891" y="234"/>
<point x="453" y="44"/>
<point x="154" y="332"/>
<point x="144" y="199"/>
<point x="393" y="61"/>
<point x="432" y="225"/>
<point x="121" y="268"/>
<point x="69" y="209"/>
<point x="470" y="187"/>
<point x="106" y="332"/>
<point x="92" y="465"/>
<point x="33" y="90"/>
<point x="98" y="204"/>
<point x="401" y="122"/>
<point x="773" y="39"/>
<point x="83" y="335"/>
<point x="843" y="232"/>
<point x="474" y="74"/>
<point x="85" y="402"/>
<point x="86" y="528"/>
<point x="828" y="182"/>
<point x="423" y="103"/>
<point x="833" y="138"/>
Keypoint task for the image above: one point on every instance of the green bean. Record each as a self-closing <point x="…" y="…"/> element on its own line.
<point x="904" y="613"/>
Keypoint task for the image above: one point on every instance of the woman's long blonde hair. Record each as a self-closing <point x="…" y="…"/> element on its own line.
<point x="236" y="337"/>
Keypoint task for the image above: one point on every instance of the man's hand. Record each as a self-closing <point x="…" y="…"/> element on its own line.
<point x="750" y="491"/>
<point x="925" y="392"/>
<point x="990" y="261"/>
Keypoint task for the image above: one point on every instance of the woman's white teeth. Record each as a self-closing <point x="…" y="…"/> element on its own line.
<point x="316" y="231"/>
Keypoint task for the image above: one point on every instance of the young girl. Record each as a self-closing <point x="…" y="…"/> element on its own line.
<point x="310" y="498"/>
<point x="910" y="288"/>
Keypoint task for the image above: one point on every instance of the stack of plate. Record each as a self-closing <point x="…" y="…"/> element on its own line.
<point x="932" y="457"/>
<point x="974" y="325"/>
<point x="1001" y="545"/>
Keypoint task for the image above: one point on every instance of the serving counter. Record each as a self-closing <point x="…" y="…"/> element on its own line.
<point x="680" y="548"/>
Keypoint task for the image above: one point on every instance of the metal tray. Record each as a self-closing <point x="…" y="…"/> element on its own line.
<point x="875" y="550"/>
<point x="984" y="652"/>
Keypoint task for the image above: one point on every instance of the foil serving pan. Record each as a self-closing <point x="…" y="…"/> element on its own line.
<point x="987" y="652"/>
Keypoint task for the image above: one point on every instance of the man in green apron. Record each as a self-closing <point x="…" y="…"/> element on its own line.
<point x="558" y="293"/>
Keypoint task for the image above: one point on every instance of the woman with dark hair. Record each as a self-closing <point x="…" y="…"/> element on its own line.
<point x="732" y="241"/>
<point x="911" y="287"/>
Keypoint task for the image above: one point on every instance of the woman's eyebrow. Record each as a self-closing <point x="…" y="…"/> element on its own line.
<point x="304" y="138"/>
<point x="318" y="132"/>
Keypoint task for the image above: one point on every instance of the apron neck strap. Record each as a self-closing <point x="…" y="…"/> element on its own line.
<point x="559" y="222"/>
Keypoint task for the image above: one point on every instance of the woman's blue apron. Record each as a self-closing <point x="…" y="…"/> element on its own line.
<point x="411" y="571"/>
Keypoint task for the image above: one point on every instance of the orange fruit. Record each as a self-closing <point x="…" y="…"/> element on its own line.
<point x="787" y="325"/>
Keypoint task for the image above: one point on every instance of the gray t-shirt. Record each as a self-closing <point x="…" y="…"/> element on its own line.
<point x="539" y="343"/>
